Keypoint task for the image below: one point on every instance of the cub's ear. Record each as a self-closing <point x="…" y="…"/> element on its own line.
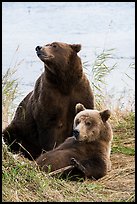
<point x="79" y="107"/>
<point x="105" y="115"/>
<point x="76" y="47"/>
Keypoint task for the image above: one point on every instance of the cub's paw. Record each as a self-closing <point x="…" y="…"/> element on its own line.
<point x="74" y="162"/>
<point x="79" y="166"/>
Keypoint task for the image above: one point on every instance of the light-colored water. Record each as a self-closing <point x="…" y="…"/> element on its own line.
<point x="95" y="25"/>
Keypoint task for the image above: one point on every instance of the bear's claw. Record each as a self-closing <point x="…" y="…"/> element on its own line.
<point x="78" y="165"/>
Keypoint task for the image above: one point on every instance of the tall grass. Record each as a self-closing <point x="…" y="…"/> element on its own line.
<point x="9" y="93"/>
<point x="10" y="88"/>
<point x="100" y="69"/>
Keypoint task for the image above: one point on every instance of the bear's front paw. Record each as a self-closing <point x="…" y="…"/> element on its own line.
<point x="75" y="163"/>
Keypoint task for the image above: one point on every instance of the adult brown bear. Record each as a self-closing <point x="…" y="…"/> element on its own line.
<point x="44" y="118"/>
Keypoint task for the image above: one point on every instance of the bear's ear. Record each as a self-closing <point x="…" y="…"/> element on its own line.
<point x="76" y="47"/>
<point x="105" y="115"/>
<point x="79" y="107"/>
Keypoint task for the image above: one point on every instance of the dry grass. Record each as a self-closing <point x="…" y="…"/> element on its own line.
<point x="119" y="184"/>
<point x="9" y="93"/>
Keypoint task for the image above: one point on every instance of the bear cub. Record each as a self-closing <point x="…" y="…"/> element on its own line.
<point x="88" y="150"/>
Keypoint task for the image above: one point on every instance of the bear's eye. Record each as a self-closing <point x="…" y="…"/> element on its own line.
<point x="88" y="123"/>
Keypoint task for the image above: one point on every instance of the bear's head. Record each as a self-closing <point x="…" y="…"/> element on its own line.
<point x="58" y="55"/>
<point x="91" y="125"/>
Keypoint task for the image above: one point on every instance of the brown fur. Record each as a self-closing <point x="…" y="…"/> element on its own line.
<point x="44" y="118"/>
<point x="90" y="146"/>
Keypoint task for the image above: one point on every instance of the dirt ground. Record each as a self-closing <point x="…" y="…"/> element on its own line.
<point x="119" y="184"/>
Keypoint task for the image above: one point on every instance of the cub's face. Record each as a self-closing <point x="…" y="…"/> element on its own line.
<point x="88" y="123"/>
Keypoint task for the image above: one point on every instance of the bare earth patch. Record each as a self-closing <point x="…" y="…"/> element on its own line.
<point x="119" y="184"/>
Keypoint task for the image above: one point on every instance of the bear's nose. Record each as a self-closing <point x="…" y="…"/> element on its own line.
<point x="76" y="133"/>
<point x="38" y="48"/>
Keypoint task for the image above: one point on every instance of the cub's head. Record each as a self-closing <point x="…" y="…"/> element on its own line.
<point x="90" y="125"/>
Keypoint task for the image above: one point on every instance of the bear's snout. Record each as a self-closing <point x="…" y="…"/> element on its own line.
<point x="76" y="133"/>
<point x="38" y="48"/>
